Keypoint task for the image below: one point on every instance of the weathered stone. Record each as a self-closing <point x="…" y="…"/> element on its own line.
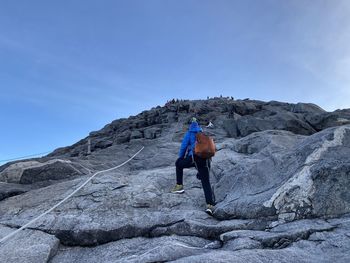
<point x="161" y="249"/>
<point x="280" y="121"/>
<point x="282" y="235"/>
<point x="241" y="243"/>
<point x="8" y="189"/>
<point x="27" y="247"/>
<point x="286" y="174"/>
<point x="230" y="127"/>
<point x="100" y="143"/>
<point x="54" y="171"/>
<point x="28" y="172"/>
<point x="123" y="137"/>
<point x="152" y="133"/>
<point x="307" y="108"/>
<point x="301" y="118"/>
<point x="136" y="134"/>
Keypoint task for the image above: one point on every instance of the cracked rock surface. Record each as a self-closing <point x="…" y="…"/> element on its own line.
<point x="281" y="178"/>
<point x="28" y="246"/>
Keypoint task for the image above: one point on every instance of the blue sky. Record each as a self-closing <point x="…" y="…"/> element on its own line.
<point x="70" y="67"/>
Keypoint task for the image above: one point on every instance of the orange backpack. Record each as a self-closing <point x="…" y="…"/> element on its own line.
<point x="205" y="146"/>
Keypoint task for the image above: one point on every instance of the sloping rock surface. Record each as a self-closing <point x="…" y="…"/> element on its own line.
<point x="281" y="178"/>
<point x="28" y="246"/>
<point x="8" y="189"/>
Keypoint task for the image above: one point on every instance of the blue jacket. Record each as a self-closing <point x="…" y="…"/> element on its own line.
<point x="189" y="140"/>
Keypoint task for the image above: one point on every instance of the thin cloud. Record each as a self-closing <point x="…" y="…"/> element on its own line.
<point x="84" y="87"/>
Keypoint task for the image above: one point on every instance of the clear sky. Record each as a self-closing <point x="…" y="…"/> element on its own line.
<point x="68" y="67"/>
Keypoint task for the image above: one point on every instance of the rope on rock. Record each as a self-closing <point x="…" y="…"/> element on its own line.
<point x="24" y="157"/>
<point x="67" y="197"/>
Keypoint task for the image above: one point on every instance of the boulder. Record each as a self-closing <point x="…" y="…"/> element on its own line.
<point x="123" y="137"/>
<point x="329" y="119"/>
<point x="8" y="189"/>
<point x="152" y="133"/>
<point x="162" y="249"/>
<point x="279" y="121"/>
<point x="288" y="176"/>
<point x="28" y="172"/>
<point x="28" y="246"/>
<point x="136" y="134"/>
<point x="100" y="143"/>
<point x="231" y="128"/>
<point x="307" y="108"/>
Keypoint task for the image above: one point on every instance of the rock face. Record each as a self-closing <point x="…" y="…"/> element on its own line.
<point x="287" y="175"/>
<point x="281" y="178"/>
<point x="8" y="190"/>
<point x="28" y="172"/>
<point x="29" y="246"/>
<point x="232" y="118"/>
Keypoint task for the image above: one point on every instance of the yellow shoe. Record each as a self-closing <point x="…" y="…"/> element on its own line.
<point x="178" y="189"/>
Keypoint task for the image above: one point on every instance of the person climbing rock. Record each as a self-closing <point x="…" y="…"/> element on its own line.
<point x="187" y="159"/>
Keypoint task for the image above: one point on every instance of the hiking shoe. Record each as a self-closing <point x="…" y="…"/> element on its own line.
<point x="210" y="209"/>
<point x="178" y="189"/>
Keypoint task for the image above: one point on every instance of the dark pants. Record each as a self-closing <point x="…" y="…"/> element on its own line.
<point x="203" y="166"/>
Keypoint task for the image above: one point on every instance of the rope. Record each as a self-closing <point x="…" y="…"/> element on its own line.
<point x="23" y="157"/>
<point x="65" y="199"/>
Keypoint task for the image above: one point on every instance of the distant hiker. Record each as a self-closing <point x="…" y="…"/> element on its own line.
<point x="188" y="159"/>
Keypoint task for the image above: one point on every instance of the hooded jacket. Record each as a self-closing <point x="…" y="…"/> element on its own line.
<point x="189" y="140"/>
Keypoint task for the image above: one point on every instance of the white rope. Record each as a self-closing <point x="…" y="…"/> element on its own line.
<point x="24" y="157"/>
<point x="65" y="199"/>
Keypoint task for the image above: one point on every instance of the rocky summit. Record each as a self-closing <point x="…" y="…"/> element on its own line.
<point x="281" y="178"/>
